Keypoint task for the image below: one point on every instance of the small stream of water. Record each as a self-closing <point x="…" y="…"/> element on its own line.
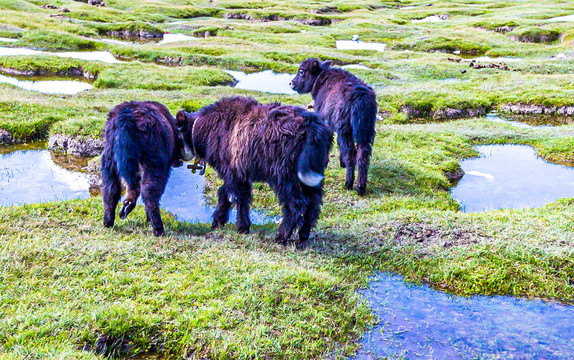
<point x="417" y="322"/>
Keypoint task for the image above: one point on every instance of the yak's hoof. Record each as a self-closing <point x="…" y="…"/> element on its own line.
<point x="361" y="190"/>
<point x="348" y="185"/>
<point x="281" y="241"/>
<point x="243" y="230"/>
<point x="158" y="232"/>
<point x="127" y="208"/>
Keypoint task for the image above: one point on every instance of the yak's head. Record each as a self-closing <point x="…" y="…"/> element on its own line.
<point x="185" y="123"/>
<point x="307" y="74"/>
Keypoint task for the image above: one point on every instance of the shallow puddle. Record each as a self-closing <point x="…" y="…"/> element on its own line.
<point x="355" y="66"/>
<point x="511" y="176"/>
<point x="265" y="81"/>
<point x="531" y="122"/>
<point x="66" y="87"/>
<point x="5" y="39"/>
<point x="117" y="42"/>
<point x="29" y="175"/>
<point x="495" y="59"/>
<point x="359" y="45"/>
<point x="33" y="176"/>
<point x="562" y="18"/>
<point x="417" y="322"/>
<point x="103" y="56"/>
<point x="430" y="19"/>
<point x="494" y="117"/>
<point x="170" y="38"/>
<point x="167" y="38"/>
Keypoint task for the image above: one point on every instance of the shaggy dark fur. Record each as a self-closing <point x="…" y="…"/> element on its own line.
<point x="142" y="142"/>
<point x="349" y="106"/>
<point x="246" y="142"/>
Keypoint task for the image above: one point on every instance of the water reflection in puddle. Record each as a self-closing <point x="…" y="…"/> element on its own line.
<point x="28" y="175"/>
<point x="103" y="56"/>
<point x="511" y="176"/>
<point x="265" y="81"/>
<point x="5" y="39"/>
<point x="32" y="176"/>
<point x="66" y="87"/>
<point x="417" y="322"/>
<point x="359" y="45"/>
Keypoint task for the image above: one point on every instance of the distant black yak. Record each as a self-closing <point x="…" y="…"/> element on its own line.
<point x="349" y="107"/>
<point x="246" y="142"/>
<point x="142" y="142"/>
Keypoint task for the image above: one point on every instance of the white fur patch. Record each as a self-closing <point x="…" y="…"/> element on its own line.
<point x="186" y="153"/>
<point x="311" y="178"/>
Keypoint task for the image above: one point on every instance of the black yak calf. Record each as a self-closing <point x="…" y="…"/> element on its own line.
<point x="349" y="106"/>
<point x="246" y="142"/>
<point x="142" y="143"/>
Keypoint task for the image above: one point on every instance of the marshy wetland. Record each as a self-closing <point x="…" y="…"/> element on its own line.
<point x="70" y="288"/>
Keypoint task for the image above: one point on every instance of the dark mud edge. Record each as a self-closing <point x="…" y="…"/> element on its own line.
<point x="450" y="113"/>
<point x="446" y="113"/>
<point x="528" y="109"/>
<point x="5" y="137"/>
<point x="71" y="72"/>
<point x="94" y="173"/>
<point x="76" y="145"/>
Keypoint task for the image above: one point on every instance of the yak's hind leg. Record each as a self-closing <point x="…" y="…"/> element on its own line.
<point x="132" y="194"/>
<point x="290" y="196"/>
<point x="313" y="200"/>
<point x="111" y="188"/>
<point x="152" y="187"/>
<point x="221" y="214"/>
<point x="243" y="200"/>
<point x="348" y="154"/>
<point x="363" y="161"/>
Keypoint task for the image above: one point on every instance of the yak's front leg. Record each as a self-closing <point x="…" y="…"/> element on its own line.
<point x="221" y="214"/>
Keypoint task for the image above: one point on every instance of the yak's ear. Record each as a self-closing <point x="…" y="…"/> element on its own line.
<point x="315" y="65"/>
<point x="180" y="118"/>
<point x="326" y="64"/>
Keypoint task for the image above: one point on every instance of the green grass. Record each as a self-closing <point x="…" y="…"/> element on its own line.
<point x="53" y="40"/>
<point x="67" y="283"/>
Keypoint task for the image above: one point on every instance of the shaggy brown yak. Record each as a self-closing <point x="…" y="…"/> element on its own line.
<point x="246" y="142"/>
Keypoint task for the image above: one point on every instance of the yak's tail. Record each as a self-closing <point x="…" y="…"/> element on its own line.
<point x="363" y="117"/>
<point x="314" y="157"/>
<point x="127" y="153"/>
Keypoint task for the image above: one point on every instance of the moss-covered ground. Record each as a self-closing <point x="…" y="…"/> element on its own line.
<point x="71" y="289"/>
